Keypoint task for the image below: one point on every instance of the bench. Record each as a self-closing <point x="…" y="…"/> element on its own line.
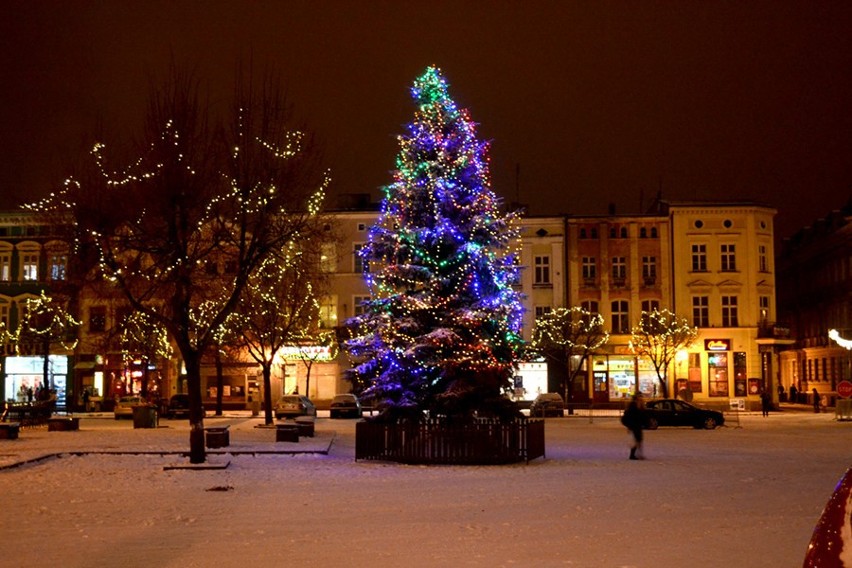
<point x="63" y="423"/>
<point x="10" y="430"/>
<point x="305" y="425"/>
<point x="218" y="436"/>
<point x="286" y="432"/>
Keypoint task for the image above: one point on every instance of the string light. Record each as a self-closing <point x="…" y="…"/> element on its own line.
<point x="443" y="316"/>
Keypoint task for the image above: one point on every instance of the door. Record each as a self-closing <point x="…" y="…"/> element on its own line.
<point x="601" y="385"/>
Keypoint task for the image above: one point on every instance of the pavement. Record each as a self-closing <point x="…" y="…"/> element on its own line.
<point x="100" y="433"/>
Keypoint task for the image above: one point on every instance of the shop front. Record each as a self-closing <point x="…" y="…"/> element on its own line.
<point x="24" y="378"/>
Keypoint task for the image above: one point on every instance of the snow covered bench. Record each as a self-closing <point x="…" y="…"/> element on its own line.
<point x="10" y="430"/>
<point x="63" y="423"/>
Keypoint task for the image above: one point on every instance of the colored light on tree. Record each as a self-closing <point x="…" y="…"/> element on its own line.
<point x="443" y="321"/>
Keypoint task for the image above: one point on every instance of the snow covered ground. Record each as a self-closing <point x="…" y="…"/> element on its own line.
<point x="736" y="496"/>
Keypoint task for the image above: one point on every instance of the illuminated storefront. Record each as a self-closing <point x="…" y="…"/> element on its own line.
<point x="26" y="374"/>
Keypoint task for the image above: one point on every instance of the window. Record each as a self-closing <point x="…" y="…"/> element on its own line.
<point x="649" y="269"/>
<point x="653" y="232"/>
<point x="328" y="258"/>
<point x="358" y="303"/>
<point x="619" y="269"/>
<point x="729" y="311"/>
<point x="620" y="317"/>
<point x="643" y="233"/>
<point x="729" y="258"/>
<point x="360" y="265"/>
<point x="590" y="306"/>
<point x="542" y="270"/>
<point x="97" y="319"/>
<point x="594" y="232"/>
<point x="699" y="258"/>
<point x="717" y="373"/>
<point x="541" y="310"/>
<point x="29" y="266"/>
<point x="650" y="305"/>
<point x="613" y="233"/>
<point x="624" y="232"/>
<point x="328" y="313"/>
<point x="701" y="311"/>
<point x="5" y="266"/>
<point x="4" y="313"/>
<point x="762" y="259"/>
<point x="582" y="233"/>
<point x="589" y="269"/>
<point x="58" y="266"/>
<point x="764" y="309"/>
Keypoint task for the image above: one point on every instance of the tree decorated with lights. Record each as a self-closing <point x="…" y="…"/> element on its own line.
<point x="279" y="306"/>
<point x="143" y="339"/>
<point x="659" y="335"/>
<point x="202" y="206"/>
<point x="441" y="328"/>
<point x="569" y="336"/>
<point x="44" y="322"/>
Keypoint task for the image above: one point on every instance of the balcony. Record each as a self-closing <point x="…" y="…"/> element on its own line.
<point x="773" y="330"/>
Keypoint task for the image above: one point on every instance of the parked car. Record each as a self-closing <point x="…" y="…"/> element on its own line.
<point x="291" y="405"/>
<point x="178" y="406"/>
<point x="124" y="406"/>
<point x="345" y="405"/>
<point x="673" y="412"/>
<point x="547" y="404"/>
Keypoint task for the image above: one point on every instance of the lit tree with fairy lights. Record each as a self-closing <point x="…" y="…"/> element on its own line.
<point x="659" y="335"/>
<point x="441" y="329"/>
<point x="569" y="336"/>
<point x="181" y="229"/>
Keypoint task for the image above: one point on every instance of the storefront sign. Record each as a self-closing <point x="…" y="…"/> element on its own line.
<point x="717" y="344"/>
<point x="308" y="352"/>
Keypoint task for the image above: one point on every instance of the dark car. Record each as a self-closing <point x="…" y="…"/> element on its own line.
<point x="178" y="406"/>
<point x="673" y="412"/>
<point x="345" y="406"/>
<point x="547" y="404"/>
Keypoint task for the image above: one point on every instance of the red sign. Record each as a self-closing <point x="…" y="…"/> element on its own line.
<point x="844" y="389"/>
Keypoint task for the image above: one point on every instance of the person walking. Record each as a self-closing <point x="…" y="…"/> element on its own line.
<point x="815" y="394"/>
<point x="794" y="394"/>
<point x="765" y="402"/>
<point x="634" y="420"/>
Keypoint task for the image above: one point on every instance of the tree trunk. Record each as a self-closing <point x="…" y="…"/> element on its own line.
<point x="308" y="366"/>
<point x="267" y="392"/>
<point x="46" y="366"/>
<point x="220" y="380"/>
<point x="197" y="453"/>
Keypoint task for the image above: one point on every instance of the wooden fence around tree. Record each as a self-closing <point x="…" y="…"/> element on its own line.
<point x="436" y="441"/>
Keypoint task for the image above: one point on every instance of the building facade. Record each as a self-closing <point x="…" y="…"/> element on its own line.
<point x="815" y="295"/>
<point x="711" y="263"/>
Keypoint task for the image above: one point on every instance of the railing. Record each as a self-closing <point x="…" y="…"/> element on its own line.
<point x="437" y="441"/>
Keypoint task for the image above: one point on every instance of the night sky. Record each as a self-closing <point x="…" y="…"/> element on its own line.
<point x="585" y="103"/>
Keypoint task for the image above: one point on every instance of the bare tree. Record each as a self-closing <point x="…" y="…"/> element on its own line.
<point x="144" y="339"/>
<point x="278" y="308"/>
<point x="44" y="323"/>
<point x="659" y="336"/>
<point x="315" y="346"/>
<point x="568" y="336"/>
<point x="203" y="205"/>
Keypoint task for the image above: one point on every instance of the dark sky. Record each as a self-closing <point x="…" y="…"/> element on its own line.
<point x="591" y="102"/>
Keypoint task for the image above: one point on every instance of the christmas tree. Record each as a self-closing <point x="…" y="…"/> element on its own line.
<point x="441" y="330"/>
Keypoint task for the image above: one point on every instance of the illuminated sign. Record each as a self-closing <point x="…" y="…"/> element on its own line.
<point x="717" y="344"/>
<point x="306" y="352"/>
